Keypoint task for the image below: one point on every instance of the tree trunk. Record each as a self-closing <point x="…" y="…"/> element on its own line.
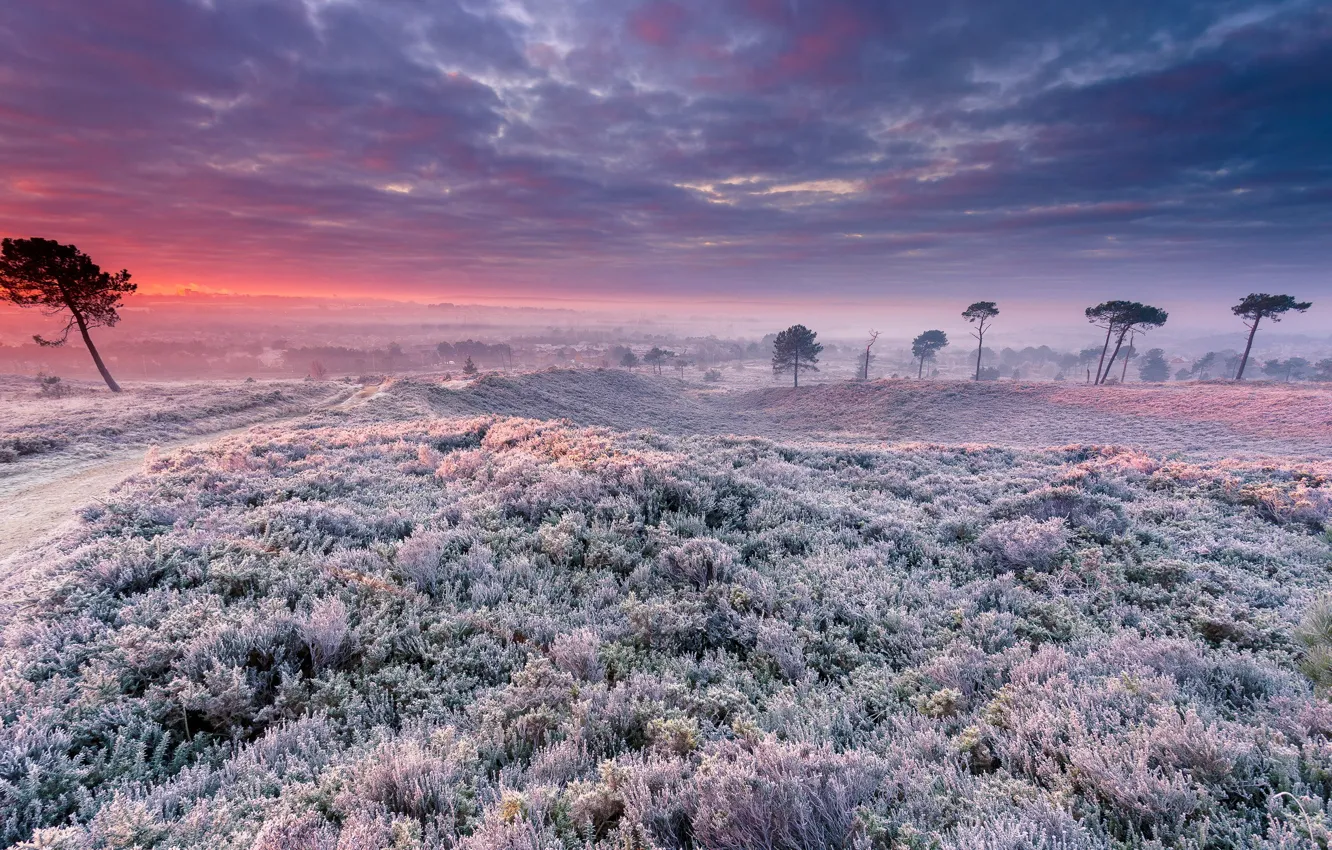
<point x="1244" y="361"/>
<point x="1123" y="373"/>
<point x="1104" y="348"/>
<point x="1119" y="343"/>
<point x="92" y="349"/>
<point x="921" y="371"/>
<point x="795" y="369"/>
<point x="980" y="348"/>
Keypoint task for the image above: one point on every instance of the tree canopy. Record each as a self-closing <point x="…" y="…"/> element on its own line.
<point x="1257" y="306"/>
<point x="1120" y="319"/>
<point x="1154" y="367"/>
<point x="58" y="279"/>
<point x="926" y="346"/>
<point x="656" y="357"/>
<point x="795" y="349"/>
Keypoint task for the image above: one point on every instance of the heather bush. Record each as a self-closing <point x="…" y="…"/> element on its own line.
<point x="492" y="632"/>
<point x="1025" y="543"/>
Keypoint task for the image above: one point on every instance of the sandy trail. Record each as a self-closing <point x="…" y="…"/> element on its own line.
<point x="42" y="501"/>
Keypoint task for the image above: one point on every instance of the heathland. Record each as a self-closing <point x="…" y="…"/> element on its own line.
<point x="585" y="608"/>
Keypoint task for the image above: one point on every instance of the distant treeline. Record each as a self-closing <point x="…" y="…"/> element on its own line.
<point x="169" y="360"/>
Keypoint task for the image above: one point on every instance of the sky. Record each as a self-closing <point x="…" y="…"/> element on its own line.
<point x="716" y="152"/>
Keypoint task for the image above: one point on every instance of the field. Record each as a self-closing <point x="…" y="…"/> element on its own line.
<point x="569" y="609"/>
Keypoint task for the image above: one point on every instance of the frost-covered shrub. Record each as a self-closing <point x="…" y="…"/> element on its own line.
<point x="1025" y="543"/>
<point x="576" y="653"/>
<point x="697" y="563"/>
<point x="420" y="556"/>
<point x="770" y="794"/>
<point x="1315" y="632"/>
<point x="325" y="632"/>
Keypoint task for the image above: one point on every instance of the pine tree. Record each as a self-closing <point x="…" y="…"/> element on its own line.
<point x="795" y="349"/>
<point x="980" y="314"/>
<point x="1258" y="306"/>
<point x="57" y="279"/>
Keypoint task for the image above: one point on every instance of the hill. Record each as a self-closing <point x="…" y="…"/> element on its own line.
<point x="1195" y="419"/>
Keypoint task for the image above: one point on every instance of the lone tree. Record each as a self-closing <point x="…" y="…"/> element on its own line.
<point x="981" y="314"/>
<point x="867" y="358"/>
<point x="60" y="278"/>
<point x="629" y="360"/>
<point x="1120" y="319"/>
<point x="469" y="368"/>
<point x="795" y="349"/>
<point x="926" y="346"/>
<point x="1258" y="306"/>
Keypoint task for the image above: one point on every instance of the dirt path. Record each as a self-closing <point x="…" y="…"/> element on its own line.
<point x="42" y="501"/>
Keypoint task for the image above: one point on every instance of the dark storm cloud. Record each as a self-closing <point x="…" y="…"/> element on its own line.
<point x="607" y="143"/>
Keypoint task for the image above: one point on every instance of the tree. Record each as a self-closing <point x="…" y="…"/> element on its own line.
<point x="656" y="357"/>
<point x="1120" y="319"/>
<point x="1154" y="367"/>
<point x="1202" y="365"/>
<point x="318" y="371"/>
<point x="795" y="349"/>
<point x="629" y="360"/>
<point x="1295" y="368"/>
<point x="1129" y="353"/>
<point x="1106" y="315"/>
<point x="469" y="368"/>
<point x="867" y="358"/>
<point x="680" y="363"/>
<point x="58" y="278"/>
<point x="926" y="346"/>
<point x="1258" y="306"/>
<point x="981" y="313"/>
<point x="1085" y="358"/>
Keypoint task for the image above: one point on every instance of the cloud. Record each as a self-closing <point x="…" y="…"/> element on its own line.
<point x="601" y="145"/>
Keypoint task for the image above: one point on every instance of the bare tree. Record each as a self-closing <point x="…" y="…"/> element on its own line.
<point x="1129" y="354"/>
<point x="865" y="358"/>
<point x="980" y="314"/>
<point x="58" y="278"/>
<point x="1258" y="306"/>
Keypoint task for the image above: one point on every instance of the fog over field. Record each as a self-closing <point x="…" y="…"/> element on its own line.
<point x="665" y="425"/>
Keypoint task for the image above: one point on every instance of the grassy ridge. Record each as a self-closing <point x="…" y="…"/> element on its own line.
<point x="95" y="420"/>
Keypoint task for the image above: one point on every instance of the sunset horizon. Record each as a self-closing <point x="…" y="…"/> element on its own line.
<point x="667" y="150"/>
